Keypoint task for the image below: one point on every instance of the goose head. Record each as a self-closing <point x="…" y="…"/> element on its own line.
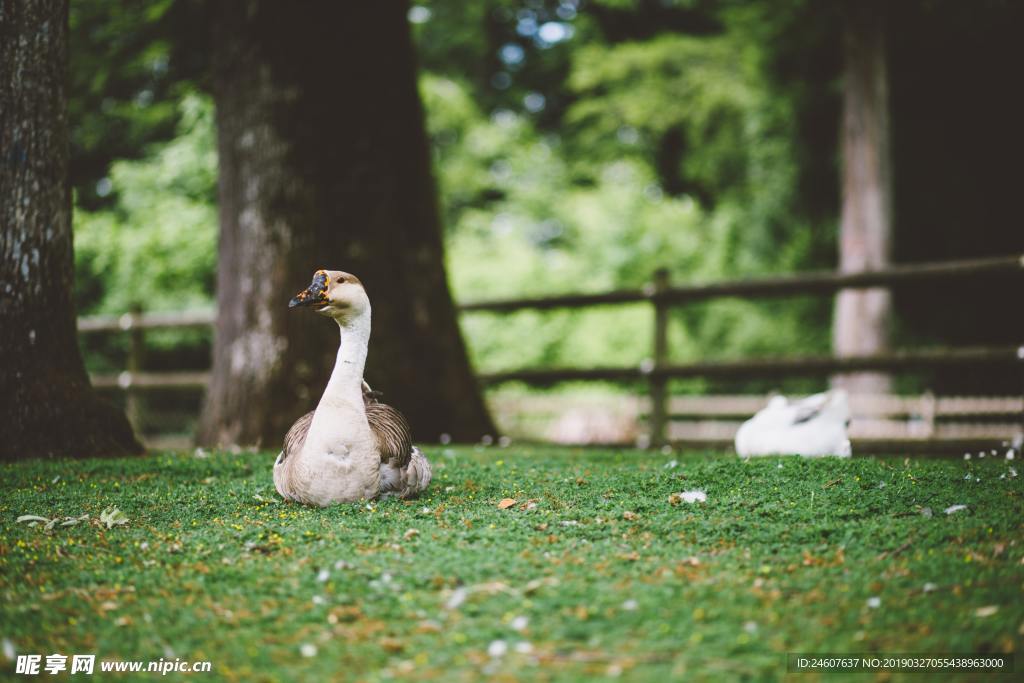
<point x="334" y="293"/>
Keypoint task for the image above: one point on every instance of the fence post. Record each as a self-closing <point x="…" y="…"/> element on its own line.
<point x="136" y="350"/>
<point x="658" y="384"/>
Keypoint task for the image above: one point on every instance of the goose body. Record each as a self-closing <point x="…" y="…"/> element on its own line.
<point x="813" y="426"/>
<point x="352" y="447"/>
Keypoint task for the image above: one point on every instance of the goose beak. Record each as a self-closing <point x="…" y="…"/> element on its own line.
<point x="315" y="294"/>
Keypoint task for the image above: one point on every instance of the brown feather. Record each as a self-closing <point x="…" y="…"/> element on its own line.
<point x="296" y="436"/>
<point x="394" y="440"/>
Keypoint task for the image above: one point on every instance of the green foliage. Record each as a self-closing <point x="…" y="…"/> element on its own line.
<point x="516" y="205"/>
<point x="130" y="65"/>
<point x="613" y="580"/>
<point x="670" y="151"/>
<point x="157" y="245"/>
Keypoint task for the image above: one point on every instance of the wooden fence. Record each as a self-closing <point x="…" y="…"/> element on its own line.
<point x="657" y="370"/>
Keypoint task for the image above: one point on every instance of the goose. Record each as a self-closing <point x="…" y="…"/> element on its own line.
<point x="813" y="426"/>
<point x="353" y="447"/>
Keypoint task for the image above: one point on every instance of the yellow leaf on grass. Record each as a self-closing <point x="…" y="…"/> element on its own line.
<point x="506" y="503"/>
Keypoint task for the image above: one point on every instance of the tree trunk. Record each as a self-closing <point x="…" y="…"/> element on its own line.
<point x="324" y="163"/>
<point x="862" y="317"/>
<point x="48" y="407"/>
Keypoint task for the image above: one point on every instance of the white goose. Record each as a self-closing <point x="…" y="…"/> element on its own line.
<point x="352" y="447"/>
<point x="813" y="426"/>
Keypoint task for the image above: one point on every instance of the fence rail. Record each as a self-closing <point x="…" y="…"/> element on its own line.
<point x="826" y="282"/>
<point x="773" y="367"/>
<point x="657" y="370"/>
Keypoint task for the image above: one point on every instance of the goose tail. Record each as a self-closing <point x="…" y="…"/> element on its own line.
<point x="417" y="474"/>
<point x="408" y="481"/>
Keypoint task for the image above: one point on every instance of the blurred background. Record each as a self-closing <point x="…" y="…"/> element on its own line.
<point x="579" y="146"/>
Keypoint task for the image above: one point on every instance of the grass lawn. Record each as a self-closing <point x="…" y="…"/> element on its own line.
<point x="592" y="573"/>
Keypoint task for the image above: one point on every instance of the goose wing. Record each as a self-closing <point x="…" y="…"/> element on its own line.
<point x="296" y="436"/>
<point x="390" y="429"/>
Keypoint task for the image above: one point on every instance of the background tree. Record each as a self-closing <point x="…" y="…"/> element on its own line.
<point x="324" y="163"/>
<point x="862" y="318"/>
<point x="49" y="408"/>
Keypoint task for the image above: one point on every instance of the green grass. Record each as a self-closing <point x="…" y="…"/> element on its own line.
<point x="611" y="578"/>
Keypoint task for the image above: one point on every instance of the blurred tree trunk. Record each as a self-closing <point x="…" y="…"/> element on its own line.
<point x="862" y="317"/>
<point x="324" y="163"/>
<point x="48" y="406"/>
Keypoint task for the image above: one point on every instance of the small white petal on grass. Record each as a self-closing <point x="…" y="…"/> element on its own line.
<point x="307" y="650"/>
<point x="342" y="564"/>
<point x="9" y="651"/>
<point x="967" y="477"/>
<point x="874" y="602"/>
<point x="456" y="599"/>
<point x="986" y="611"/>
<point x="967" y="456"/>
<point x="519" y="623"/>
<point x="323" y="575"/>
<point x="671" y="464"/>
<point x="318" y="600"/>
<point x="750" y="627"/>
<point x="695" y="496"/>
<point x="954" y="508"/>
<point x="55" y="479"/>
<point x="630" y="605"/>
<point x="497" y="648"/>
<point x="1012" y="471"/>
<point x="929" y="587"/>
<point x="523" y="647"/>
<point x="926" y="512"/>
<point x="1011" y="454"/>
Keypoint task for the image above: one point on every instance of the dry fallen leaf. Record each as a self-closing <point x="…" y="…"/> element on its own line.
<point x="112" y="517"/>
<point x="506" y="503"/>
<point x="33" y="519"/>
